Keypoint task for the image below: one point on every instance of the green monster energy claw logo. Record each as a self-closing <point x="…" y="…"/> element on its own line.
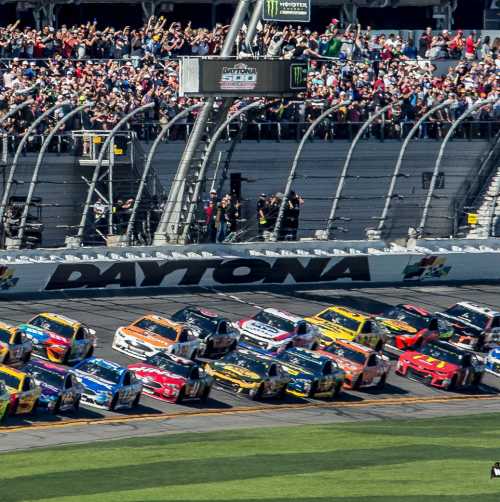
<point x="272" y="7"/>
<point x="297" y="76"/>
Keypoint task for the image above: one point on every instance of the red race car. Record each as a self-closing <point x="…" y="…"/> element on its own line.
<point x="173" y="379"/>
<point x="442" y="365"/>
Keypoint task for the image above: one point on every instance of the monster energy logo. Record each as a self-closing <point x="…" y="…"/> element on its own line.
<point x="297" y="76"/>
<point x="272" y="7"/>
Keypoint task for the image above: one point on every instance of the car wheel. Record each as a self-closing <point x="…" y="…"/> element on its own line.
<point x="209" y="349"/>
<point x="477" y="380"/>
<point x="315" y="346"/>
<point x="233" y="346"/>
<point x="57" y="407"/>
<point x="34" y="410"/>
<point x="65" y="359"/>
<point x="76" y="405"/>
<point x="357" y="383"/>
<point x="205" y="395"/>
<point x="379" y="346"/>
<point x="114" y="402"/>
<point x="26" y="357"/>
<point x="136" y="401"/>
<point x="381" y="383"/>
<point x="13" y="407"/>
<point x="180" y="396"/>
<point x="336" y="390"/>
<point x="256" y="394"/>
<point x="6" y="359"/>
<point x="453" y="384"/>
<point x="194" y="355"/>
<point x="90" y="352"/>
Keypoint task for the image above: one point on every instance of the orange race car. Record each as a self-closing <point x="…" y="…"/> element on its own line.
<point x="364" y="367"/>
<point x="151" y="334"/>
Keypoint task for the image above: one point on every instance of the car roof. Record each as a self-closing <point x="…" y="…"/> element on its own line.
<point x="55" y="368"/>
<point x="164" y="321"/>
<point x="354" y="314"/>
<point x="414" y="309"/>
<point x="255" y="355"/>
<point x="307" y="355"/>
<point x="177" y="359"/>
<point x="203" y="312"/>
<point x="353" y="345"/>
<point x="478" y="308"/>
<point x="105" y="363"/>
<point x="284" y="315"/>
<point x="60" y="318"/>
<point x="448" y="346"/>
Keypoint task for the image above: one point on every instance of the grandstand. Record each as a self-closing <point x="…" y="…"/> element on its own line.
<point x="87" y="156"/>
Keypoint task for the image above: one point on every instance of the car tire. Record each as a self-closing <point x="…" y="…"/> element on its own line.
<point x="453" y="384"/>
<point x="114" y="402"/>
<point x="209" y="349"/>
<point x="379" y="346"/>
<point x="90" y="353"/>
<point x="180" y="396"/>
<point x="336" y="390"/>
<point x="57" y="407"/>
<point x="382" y="381"/>
<point x="315" y="346"/>
<point x="76" y="406"/>
<point x="65" y="359"/>
<point x="356" y="385"/>
<point x="205" y="395"/>
<point x="194" y="355"/>
<point x="476" y="382"/>
<point x="34" y="410"/>
<point x="6" y="359"/>
<point x="233" y="346"/>
<point x="26" y="357"/>
<point x="13" y="408"/>
<point x="256" y="394"/>
<point x="136" y="401"/>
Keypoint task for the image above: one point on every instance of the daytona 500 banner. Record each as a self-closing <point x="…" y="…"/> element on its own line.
<point x="220" y="271"/>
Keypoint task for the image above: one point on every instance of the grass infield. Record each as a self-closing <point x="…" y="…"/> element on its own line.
<point x="412" y="460"/>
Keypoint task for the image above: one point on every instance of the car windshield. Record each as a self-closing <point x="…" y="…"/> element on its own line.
<point x="416" y="321"/>
<point x="159" y="329"/>
<point x="311" y="365"/>
<point x="46" y="376"/>
<point x="275" y="321"/>
<point x="167" y="364"/>
<point x="347" y="353"/>
<point x="239" y="359"/>
<point x="443" y="354"/>
<point x="4" y="336"/>
<point x="10" y="380"/>
<point x="337" y="318"/>
<point x="208" y="324"/>
<point x="468" y="315"/>
<point x="105" y="372"/>
<point x="53" y="326"/>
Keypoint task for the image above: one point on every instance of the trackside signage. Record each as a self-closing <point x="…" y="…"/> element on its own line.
<point x="287" y="11"/>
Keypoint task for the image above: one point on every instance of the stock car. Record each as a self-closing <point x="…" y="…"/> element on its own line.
<point x="476" y="328"/>
<point x="22" y="389"/>
<point x="273" y="331"/>
<point x="363" y="367"/>
<point x="60" y="390"/>
<point x="247" y="371"/>
<point x="14" y="346"/>
<point x="311" y="374"/>
<point x="149" y="334"/>
<point x="59" y="339"/>
<point x="337" y="322"/>
<point x="107" y="385"/>
<point x="4" y="401"/>
<point x="493" y="362"/>
<point x="215" y="333"/>
<point x="174" y="379"/>
<point x="443" y="365"/>
<point x="409" y="326"/>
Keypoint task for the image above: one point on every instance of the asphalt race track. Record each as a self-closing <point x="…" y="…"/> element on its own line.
<point x="400" y="398"/>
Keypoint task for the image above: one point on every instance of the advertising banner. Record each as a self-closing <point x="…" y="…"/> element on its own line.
<point x="287" y="11"/>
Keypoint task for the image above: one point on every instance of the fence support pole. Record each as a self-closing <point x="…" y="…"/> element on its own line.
<point x="347" y="163"/>
<point x="401" y="155"/>
<point x="97" y="169"/>
<point x="439" y="159"/>
<point x="149" y="161"/>
<point x="295" y="164"/>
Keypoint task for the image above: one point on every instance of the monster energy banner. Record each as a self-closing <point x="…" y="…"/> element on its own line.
<point x="298" y="11"/>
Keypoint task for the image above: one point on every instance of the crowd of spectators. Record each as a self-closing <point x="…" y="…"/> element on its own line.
<point x="122" y="69"/>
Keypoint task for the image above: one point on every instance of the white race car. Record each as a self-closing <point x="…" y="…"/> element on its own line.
<point x="274" y="330"/>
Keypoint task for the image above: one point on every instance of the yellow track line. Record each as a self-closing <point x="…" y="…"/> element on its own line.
<point x="242" y="410"/>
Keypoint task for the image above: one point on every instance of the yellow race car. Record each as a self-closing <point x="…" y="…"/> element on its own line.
<point x="14" y="346"/>
<point x="23" y="391"/>
<point x="341" y="322"/>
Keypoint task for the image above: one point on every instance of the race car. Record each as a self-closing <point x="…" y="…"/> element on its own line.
<point x="409" y="326"/>
<point x="341" y="322"/>
<point x="493" y="362"/>
<point x="476" y="328"/>
<point x="107" y="384"/>
<point x="246" y="371"/>
<point x="442" y="365"/>
<point x="215" y="333"/>
<point x="59" y="339"/>
<point x="170" y="378"/>
<point x="22" y="389"/>
<point x="4" y="401"/>
<point x="311" y="374"/>
<point x="60" y="390"/>
<point x="14" y="346"/>
<point x="151" y="333"/>
<point x="274" y="331"/>
<point x="364" y="367"/>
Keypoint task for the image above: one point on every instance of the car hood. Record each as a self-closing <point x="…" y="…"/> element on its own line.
<point x="428" y="363"/>
<point x="158" y="375"/>
<point x="263" y="330"/>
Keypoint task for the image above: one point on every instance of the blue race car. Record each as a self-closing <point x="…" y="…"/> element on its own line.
<point x="311" y="374"/>
<point x="107" y="384"/>
<point x="60" y="388"/>
<point x="493" y="362"/>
